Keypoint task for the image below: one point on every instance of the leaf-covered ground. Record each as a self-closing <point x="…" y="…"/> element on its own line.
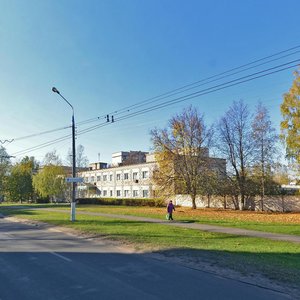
<point x="198" y="214"/>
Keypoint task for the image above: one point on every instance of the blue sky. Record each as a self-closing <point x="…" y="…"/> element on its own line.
<point x="106" y="55"/>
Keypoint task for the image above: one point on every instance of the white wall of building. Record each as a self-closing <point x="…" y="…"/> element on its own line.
<point x="132" y="181"/>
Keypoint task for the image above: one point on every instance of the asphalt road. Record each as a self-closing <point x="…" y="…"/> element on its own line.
<point x="40" y="263"/>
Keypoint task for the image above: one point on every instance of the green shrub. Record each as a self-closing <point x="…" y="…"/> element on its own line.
<point x="122" y="201"/>
<point x="42" y="200"/>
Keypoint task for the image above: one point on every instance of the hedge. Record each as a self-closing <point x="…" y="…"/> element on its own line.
<point x="122" y="201"/>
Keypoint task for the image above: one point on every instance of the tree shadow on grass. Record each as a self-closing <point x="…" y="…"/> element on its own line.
<point x="185" y="221"/>
<point x="8" y="212"/>
<point x="257" y="266"/>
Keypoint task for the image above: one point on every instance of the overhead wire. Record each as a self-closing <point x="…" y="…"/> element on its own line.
<point x="201" y="93"/>
<point x="173" y="101"/>
<point x="204" y="82"/>
<point x="43" y="145"/>
<point x="195" y="84"/>
<point x="41" y="133"/>
<point x="176" y="100"/>
<point x="211" y="77"/>
<point x="126" y="111"/>
<point x="176" y="91"/>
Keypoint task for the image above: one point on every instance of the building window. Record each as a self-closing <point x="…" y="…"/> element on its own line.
<point x="126" y="176"/>
<point x="111" y="193"/>
<point x="104" y="177"/>
<point x="92" y="178"/>
<point x="145" y="193"/>
<point x="135" y="193"/>
<point x="145" y="174"/>
<point x="98" y="178"/>
<point x="126" y="193"/>
<point x="118" y="193"/>
<point x="118" y="176"/>
<point x="110" y="177"/>
<point x="104" y="193"/>
<point x="135" y="175"/>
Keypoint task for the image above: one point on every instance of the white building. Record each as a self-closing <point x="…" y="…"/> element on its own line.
<point x="128" y="176"/>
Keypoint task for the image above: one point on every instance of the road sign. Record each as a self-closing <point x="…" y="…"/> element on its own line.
<point x="74" y="179"/>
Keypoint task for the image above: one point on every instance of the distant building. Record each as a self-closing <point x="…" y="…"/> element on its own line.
<point x="129" y="175"/>
<point x="97" y="166"/>
<point x="291" y="188"/>
<point x="128" y="158"/>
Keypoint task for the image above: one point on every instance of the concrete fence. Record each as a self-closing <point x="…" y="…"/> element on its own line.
<point x="279" y="203"/>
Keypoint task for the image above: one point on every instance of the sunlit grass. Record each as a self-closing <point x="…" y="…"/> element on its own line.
<point x="286" y="223"/>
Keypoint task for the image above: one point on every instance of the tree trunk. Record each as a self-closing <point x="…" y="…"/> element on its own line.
<point x="235" y="200"/>
<point x="208" y="201"/>
<point x="225" y="202"/>
<point x="193" y="201"/>
<point x="242" y="206"/>
<point x="262" y="192"/>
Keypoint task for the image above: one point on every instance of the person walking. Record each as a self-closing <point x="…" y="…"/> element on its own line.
<point x="170" y="208"/>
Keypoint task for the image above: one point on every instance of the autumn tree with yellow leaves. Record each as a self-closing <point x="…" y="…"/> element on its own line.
<point x="181" y="151"/>
<point x="290" y="126"/>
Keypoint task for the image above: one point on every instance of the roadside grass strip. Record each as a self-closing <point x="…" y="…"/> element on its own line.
<point x="284" y="223"/>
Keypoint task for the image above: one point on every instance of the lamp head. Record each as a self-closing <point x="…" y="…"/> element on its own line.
<point x="55" y="90"/>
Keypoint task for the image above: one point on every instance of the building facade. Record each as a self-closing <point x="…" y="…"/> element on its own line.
<point x="128" y="176"/>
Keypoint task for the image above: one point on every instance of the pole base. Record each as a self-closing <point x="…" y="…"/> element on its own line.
<point x="73" y="209"/>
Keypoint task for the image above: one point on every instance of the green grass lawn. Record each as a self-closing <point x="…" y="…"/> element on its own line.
<point x="279" y="261"/>
<point x="219" y="218"/>
<point x="275" y="223"/>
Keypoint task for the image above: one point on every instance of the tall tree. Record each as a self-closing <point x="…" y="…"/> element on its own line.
<point x="265" y="139"/>
<point x="290" y="126"/>
<point x="236" y="146"/>
<point x="181" y="150"/>
<point x="30" y="163"/>
<point x="81" y="159"/>
<point x="52" y="158"/>
<point x="5" y="165"/>
<point x="50" y="181"/>
<point x="18" y="185"/>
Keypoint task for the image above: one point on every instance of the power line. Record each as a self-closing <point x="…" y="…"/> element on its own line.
<point x="210" y="78"/>
<point x="199" y="93"/>
<point x="43" y="145"/>
<point x="206" y="91"/>
<point x="198" y="83"/>
<point x="6" y="141"/>
<point x="41" y="133"/>
<point x="174" y="92"/>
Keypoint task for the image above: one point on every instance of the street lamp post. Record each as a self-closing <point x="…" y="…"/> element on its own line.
<point x="73" y="203"/>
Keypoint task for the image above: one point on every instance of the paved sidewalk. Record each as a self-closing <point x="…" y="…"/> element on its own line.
<point x="204" y="227"/>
